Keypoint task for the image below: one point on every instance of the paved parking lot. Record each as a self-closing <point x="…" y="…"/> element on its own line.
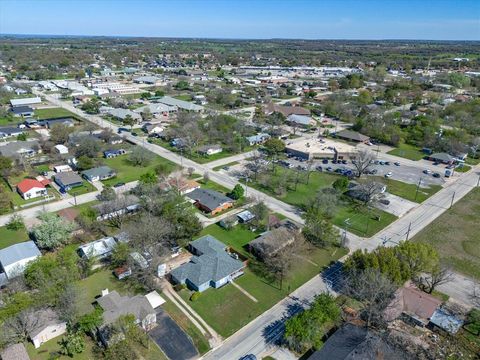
<point x="172" y="339"/>
<point x="398" y="206"/>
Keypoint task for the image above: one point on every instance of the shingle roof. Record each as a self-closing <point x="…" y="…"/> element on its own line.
<point x="98" y="171"/>
<point x="213" y="263"/>
<point x="114" y="305"/>
<point x="167" y="100"/>
<point x="67" y="178"/>
<point x="446" y="321"/>
<point x="352" y="135"/>
<point x="15" y="352"/>
<point x="442" y="157"/>
<point x="22" y="109"/>
<point x="18" y="252"/>
<point x="208" y="198"/>
<point x="28" y="184"/>
<point x="300" y="119"/>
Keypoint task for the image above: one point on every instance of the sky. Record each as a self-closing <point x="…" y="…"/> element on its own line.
<point x="247" y="19"/>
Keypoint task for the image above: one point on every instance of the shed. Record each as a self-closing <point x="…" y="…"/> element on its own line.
<point x="61" y="149"/>
<point x="155" y="299"/>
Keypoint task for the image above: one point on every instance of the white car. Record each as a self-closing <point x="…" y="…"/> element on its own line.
<point x="389" y="174"/>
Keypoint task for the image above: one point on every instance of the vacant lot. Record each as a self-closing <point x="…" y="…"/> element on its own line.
<point x="456" y="235"/>
<point x="11" y="237"/>
<point x="53" y="113"/>
<point x="408" y="152"/>
<point x="220" y="307"/>
<point x="409" y="191"/>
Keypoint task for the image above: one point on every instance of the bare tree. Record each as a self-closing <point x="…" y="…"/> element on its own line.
<point x="150" y="234"/>
<point x="362" y="161"/>
<point x="374" y="290"/>
<point x="256" y="164"/>
<point x="437" y="276"/>
<point x="20" y="325"/>
<point x="115" y="211"/>
<point x="369" y="192"/>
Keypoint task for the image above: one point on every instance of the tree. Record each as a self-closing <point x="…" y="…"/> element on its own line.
<point x="67" y="306"/>
<point x="274" y="147"/>
<point x="89" y="323"/>
<point x="140" y="157"/>
<point x="15" y="223"/>
<point x="129" y="121"/>
<point x="21" y="325"/>
<point x="120" y="254"/>
<point x="434" y="277"/>
<point x="144" y="239"/>
<point x="237" y="192"/>
<point x="149" y="178"/>
<point x="59" y="133"/>
<point x="22" y="137"/>
<point x="341" y="184"/>
<point x="206" y="177"/>
<point x="92" y="106"/>
<point x="145" y="95"/>
<point x="146" y="114"/>
<point x="121" y="350"/>
<point x="71" y="344"/>
<point x="307" y="329"/>
<point x="319" y="230"/>
<point x="362" y="162"/>
<point x="84" y="163"/>
<point x="5" y="165"/>
<point x="374" y="290"/>
<point x="52" y="232"/>
<point x="182" y="85"/>
<point x="88" y="147"/>
<point x="256" y="164"/>
<point x="107" y="194"/>
<point x="260" y="214"/>
<point x="369" y="192"/>
<point x="159" y="93"/>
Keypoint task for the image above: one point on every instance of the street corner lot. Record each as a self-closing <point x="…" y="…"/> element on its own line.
<point x="173" y="341"/>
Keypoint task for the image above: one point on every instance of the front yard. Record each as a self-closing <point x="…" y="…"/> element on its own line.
<point x="80" y="190"/>
<point x="220" y="308"/>
<point x="407" y="191"/>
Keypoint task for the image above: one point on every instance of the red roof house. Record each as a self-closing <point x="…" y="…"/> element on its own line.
<point x="31" y="188"/>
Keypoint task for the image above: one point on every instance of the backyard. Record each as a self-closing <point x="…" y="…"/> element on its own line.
<point x="11" y="237"/>
<point x="455" y="235"/>
<point x="220" y="307"/>
<point x="408" y="152"/>
<point x="126" y="172"/>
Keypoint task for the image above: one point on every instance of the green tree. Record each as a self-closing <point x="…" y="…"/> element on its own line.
<point x="159" y="93"/>
<point x="15" y="223"/>
<point x="88" y="323"/>
<point x="149" y="178"/>
<point x="5" y="165"/>
<point x="120" y="254"/>
<point x="307" y="329"/>
<point x="140" y="157"/>
<point x="107" y="194"/>
<point x="22" y="137"/>
<point x="52" y="232"/>
<point x="71" y="344"/>
<point x="92" y="106"/>
<point x="341" y="184"/>
<point x="182" y="85"/>
<point x="59" y="133"/>
<point x="319" y="230"/>
<point x="237" y="192"/>
<point x="129" y="121"/>
<point x="274" y="147"/>
<point x="145" y="95"/>
<point x="84" y="162"/>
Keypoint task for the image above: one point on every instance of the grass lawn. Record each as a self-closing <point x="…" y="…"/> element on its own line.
<point x="408" y="152"/>
<point x="126" y="172"/>
<point x="184" y="97"/>
<point x="216" y="168"/>
<point x="200" y="342"/>
<point x="92" y="287"/>
<point x="50" y="350"/>
<point x="407" y="191"/>
<point x="11" y="121"/>
<point x="213" y="186"/>
<point x="455" y="235"/>
<point x="220" y="307"/>
<point x="53" y="113"/>
<point x="19" y="201"/>
<point x="471" y="161"/>
<point x="463" y="168"/>
<point x="11" y="237"/>
<point x="85" y="188"/>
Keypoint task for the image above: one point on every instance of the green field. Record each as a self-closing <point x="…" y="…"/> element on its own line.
<point x="463" y="168"/>
<point x="455" y="234"/>
<point x="408" y="191"/>
<point x="11" y="237"/>
<point x="126" y="172"/>
<point x="408" y="152"/>
<point x="53" y="113"/>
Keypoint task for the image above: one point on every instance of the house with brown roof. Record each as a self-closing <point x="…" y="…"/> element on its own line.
<point x="285" y="110"/>
<point x="184" y="186"/>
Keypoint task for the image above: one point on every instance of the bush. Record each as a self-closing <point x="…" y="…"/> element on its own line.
<point x="15" y="223"/>
<point x="195" y="296"/>
<point x="179" y="287"/>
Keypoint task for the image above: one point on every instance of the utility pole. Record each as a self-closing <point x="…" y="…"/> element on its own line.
<point x="453" y="197"/>
<point x="418" y="186"/>
<point x="408" y="231"/>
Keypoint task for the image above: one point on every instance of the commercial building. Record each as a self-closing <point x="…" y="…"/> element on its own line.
<point x="321" y="149"/>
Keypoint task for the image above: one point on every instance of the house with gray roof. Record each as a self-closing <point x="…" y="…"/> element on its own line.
<point x="99" y="173"/>
<point x="7" y="132"/>
<point x="300" y="120"/>
<point x="257" y="139"/>
<point x="211" y="265"/>
<point x="20" y="149"/>
<point x="67" y="180"/>
<point x="147" y="79"/>
<point x="115" y="305"/>
<point x="14" y="259"/>
<point x="15" y="352"/>
<point x="97" y="249"/>
<point x="351" y="135"/>
<point x="121" y="114"/>
<point x="183" y="105"/>
<point x="210" y="201"/>
<point x="47" y="326"/>
<point x="442" y="158"/>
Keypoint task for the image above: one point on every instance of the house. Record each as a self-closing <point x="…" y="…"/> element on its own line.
<point x="15" y="352"/>
<point x="62" y="168"/>
<point x="352" y="342"/>
<point x="158" y="109"/>
<point x="97" y="249"/>
<point x="300" y="120"/>
<point x="442" y="158"/>
<point x="48" y="123"/>
<point x="7" y="132"/>
<point x="229" y="222"/>
<point x="210" y="201"/>
<point x="351" y="135"/>
<point x="183" y="186"/>
<point x="25" y="101"/>
<point x="122" y="114"/>
<point x="31" y="188"/>
<point x="180" y="104"/>
<point x="48" y="326"/>
<point x="67" y="180"/>
<point x="245" y="216"/>
<point x="208" y="150"/>
<point x="151" y="80"/>
<point x="108" y="154"/>
<point x="14" y="259"/>
<point x="361" y="193"/>
<point x="412" y="305"/>
<point x="271" y="242"/>
<point x="211" y="265"/>
<point x="152" y="129"/>
<point x="20" y="149"/>
<point x="446" y="321"/>
<point x="22" y="111"/>
<point x="61" y="149"/>
<point x="285" y="110"/>
<point x="124" y="204"/>
<point x="99" y="173"/>
<point x="114" y="306"/>
<point x="257" y="139"/>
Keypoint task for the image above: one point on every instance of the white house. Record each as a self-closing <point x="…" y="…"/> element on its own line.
<point x="48" y="327"/>
<point x="25" y="101"/>
<point x="61" y="149"/>
<point x="62" y="168"/>
<point x="31" y="188"/>
<point x="15" y="258"/>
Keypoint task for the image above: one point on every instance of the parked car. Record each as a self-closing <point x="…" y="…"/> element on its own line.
<point x="397" y="163"/>
<point x="381" y="162"/>
<point x="329" y="168"/>
<point x="436" y="163"/>
<point x="344" y="161"/>
<point x="387" y="162"/>
<point x="226" y="168"/>
<point x="325" y="161"/>
<point x="389" y="174"/>
<point x="120" y="130"/>
<point x="385" y="201"/>
<point x="436" y="175"/>
<point x="334" y="161"/>
<point x="119" y="184"/>
<point x="248" y="357"/>
<point x="319" y="168"/>
<point x="427" y="171"/>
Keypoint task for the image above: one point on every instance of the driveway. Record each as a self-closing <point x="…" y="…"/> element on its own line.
<point x="172" y="339"/>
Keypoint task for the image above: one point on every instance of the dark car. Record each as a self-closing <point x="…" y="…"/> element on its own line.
<point x="325" y="161"/>
<point x="120" y="130"/>
<point x="339" y="171"/>
<point x="387" y="162"/>
<point x="329" y="168"/>
<point x="385" y="202"/>
<point x="319" y="168"/>
<point x="397" y="163"/>
<point x="344" y="161"/>
<point x="436" y="163"/>
<point x="436" y="175"/>
<point x="248" y="357"/>
<point x="119" y="184"/>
